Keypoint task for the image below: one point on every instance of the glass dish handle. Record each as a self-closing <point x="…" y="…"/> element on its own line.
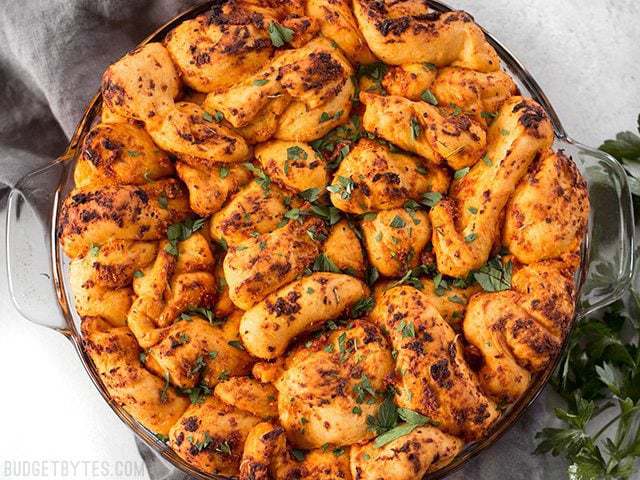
<point x="609" y="249"/>
<point x="29" y="247"/>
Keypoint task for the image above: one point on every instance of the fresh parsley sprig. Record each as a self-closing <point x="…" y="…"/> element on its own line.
<point x="626" y="149"/>
<point x="599" y="373"/>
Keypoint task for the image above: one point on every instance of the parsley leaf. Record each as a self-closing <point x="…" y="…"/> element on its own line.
<point x="296" y="153"/>
<point x="626" y="149"/>
<point x="494" y="276"/>
<point x="416" y="129"/>
<point x="397" y="222"/>
<point x="261" y="178"/>
<point x="344" y="187"/>
<point x="362" y="306"/>
<point x="429" y="97"/>
<point x="279" y="35"/>
<point x="324" y="264"/>
<point x="412" y="421"/>
<point x="599" y="373"/>
<point x="431" y="198"/>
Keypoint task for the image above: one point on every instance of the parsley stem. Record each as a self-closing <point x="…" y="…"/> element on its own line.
<point x="614" y="420"/>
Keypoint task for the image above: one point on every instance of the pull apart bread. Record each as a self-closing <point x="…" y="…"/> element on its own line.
<point x="321" y="239"/>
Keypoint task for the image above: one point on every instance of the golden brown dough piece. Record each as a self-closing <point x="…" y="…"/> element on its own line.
<point x="252" y="209"/>
<point x="435" y="379"/>
<point x="521" y="330"/>
<point x="325" y="388"/>
<point x="407" y="32"/>
<point x="211" y="436"/>
<point x="120" y="153"/>
<point x="294" y="165"/>
<point x="299" y="123"/>
<point x="267" y="122"/>
<point x="194" y="351"/>
<point x="409" y="81"/>
<point x="245" y="393"/>
<point x="147" y="398"/>
<point x="319" y="464"/>
<point x="409" y="457"/>
<point x="467" y="224"/>
<point x="395" y="238"/>
<point x="197" y="139"/>
<point x="479" y="95"/>
<point x="171" y="286"/>
<point x="338" y="24"/>
<point x="547" y="214"/>
<point x="209" y="188"/>
<point x="301" y="306"/>
<point x="343" y="248"/>
<point x="141" y="85"/>
<point x="420" y="128"/>
<point x="92" y="216"/>
<point x="258" y="266"/>
<point x="372" y="178"/>
<point x="215" y="51"/>
<point x="263" y="442"/>
<point x="114" y="264"/>
<point x="95" y="300"/>
<point x="313" y="76"/>
<point x="451" y="302"/>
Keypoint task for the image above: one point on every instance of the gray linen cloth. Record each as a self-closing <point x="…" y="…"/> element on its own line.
<point x="52" y="54"/>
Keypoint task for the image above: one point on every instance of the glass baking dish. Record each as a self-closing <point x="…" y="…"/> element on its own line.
<point x="39" y="283"/>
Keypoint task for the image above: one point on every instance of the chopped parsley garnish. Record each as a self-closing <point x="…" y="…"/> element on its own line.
<point x="429" y="97"/>
<point x="198" y="394"/>
<point x="494" y="276"/>
<point x="431" y="198"/>
<point x="260" y="82"/>
<point x="329" y="213"/>
<point x="310" y="194"/>
<point x="237" y="344"/>
<point x="279" y="35"/>
<point x="205" y="312"/>
<point x="407" y="329"/>
<point x="223" y="171"/>
<point x="362" y="306"/>
<point x="261" y="178"/>
<point x="416" y="129"/>
<point x="296" y="153"/>
<point x="363" y="390"/>
<point x="324" y="264"/>
<point x="165" y="388"/>
<point x="181" y="231"/>
<point x="397" y="222"/>
<point x="344" y="187"/>
<point x="412" y="421"/>
<point x="461" y="173"/>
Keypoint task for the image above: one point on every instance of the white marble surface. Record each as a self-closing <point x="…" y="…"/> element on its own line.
<point x="585" y="55"/>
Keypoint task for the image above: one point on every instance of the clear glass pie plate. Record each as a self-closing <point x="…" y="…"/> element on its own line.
<point x="39" y="282"/>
